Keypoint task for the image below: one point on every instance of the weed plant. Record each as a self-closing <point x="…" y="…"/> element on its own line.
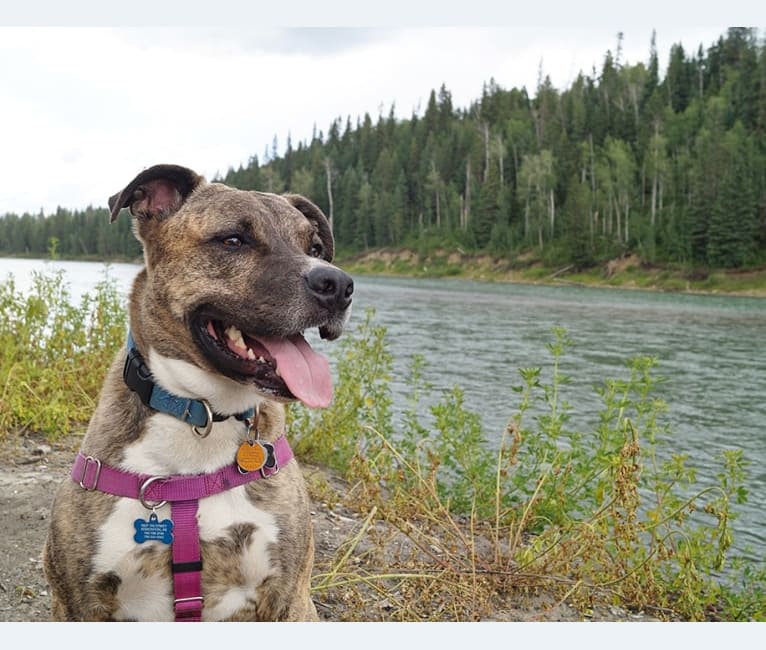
<point x="53" y="353"/>
<point x="601" y="518"/>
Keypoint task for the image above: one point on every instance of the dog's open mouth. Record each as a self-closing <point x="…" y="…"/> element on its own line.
<point x="283" y="367"/>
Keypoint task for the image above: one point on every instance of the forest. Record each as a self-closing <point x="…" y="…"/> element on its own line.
<point x="666" y="164"/>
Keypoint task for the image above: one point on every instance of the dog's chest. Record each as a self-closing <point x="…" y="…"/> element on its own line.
<point x="236" y="536"/>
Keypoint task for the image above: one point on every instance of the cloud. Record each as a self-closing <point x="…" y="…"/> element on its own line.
<point x="85" y="109"/>
<point x="286" y="41"/>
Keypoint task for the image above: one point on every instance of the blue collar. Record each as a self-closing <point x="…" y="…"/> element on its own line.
<point x="196" y="413"/>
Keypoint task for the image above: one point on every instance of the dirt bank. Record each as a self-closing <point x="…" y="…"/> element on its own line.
<point x="627" y="272"/>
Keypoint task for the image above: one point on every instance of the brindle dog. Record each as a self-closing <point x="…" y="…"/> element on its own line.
<point x="232" y="280"/>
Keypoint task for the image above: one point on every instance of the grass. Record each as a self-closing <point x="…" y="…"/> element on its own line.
<point x="452" y="524"/>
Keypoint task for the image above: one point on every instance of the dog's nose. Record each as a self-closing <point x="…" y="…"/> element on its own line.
<point x="330" y="286"/>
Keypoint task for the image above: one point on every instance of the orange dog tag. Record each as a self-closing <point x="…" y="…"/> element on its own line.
<point x="251" y="456"/>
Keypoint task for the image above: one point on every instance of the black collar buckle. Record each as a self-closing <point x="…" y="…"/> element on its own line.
<point x="137" y="376"/>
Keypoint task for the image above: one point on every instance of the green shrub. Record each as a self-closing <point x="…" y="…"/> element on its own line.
<point x="362" y="398"/>
<point x="54" y="354"/>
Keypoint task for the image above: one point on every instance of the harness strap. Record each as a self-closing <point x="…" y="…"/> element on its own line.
<point x="187" y="563"/>
<point x="183" y="492"/>
<point x="91" y="474"/>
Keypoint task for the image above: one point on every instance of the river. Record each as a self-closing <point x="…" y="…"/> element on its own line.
<point x="476" y="335"/>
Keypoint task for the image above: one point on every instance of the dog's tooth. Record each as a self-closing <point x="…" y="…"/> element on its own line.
<point x="276" y="370"/>
<point x="250" y="354"/>
<point x="235" y="336"/>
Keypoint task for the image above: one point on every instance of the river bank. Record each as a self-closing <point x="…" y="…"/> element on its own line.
<point x="628" y="272"/>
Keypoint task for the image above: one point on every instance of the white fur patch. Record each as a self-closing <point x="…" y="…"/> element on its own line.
<point x="218" y="513"/>
<point x="187" y="380"/>
<point x="143" y="598"/>
<point x="167" y="447"/>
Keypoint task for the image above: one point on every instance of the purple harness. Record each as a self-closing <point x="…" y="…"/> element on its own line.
<point x="183" y="492"/>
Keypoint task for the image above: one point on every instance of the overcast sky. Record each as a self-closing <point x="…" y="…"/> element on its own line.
<point x="83" y="109"/>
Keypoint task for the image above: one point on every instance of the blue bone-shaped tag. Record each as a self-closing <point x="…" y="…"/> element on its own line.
<point x="153" y="530"/>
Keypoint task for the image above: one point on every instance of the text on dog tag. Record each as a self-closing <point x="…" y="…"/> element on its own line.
<point x="153" y="530"/>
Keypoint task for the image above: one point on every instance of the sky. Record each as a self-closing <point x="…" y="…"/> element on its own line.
<point x="89" y="99"/>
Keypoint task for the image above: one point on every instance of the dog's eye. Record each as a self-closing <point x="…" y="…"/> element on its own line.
<point x="231" y="242"/>
<point x="316" y="250"/>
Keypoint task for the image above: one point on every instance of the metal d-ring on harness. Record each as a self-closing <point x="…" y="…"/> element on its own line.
<point x="142" y="493"/>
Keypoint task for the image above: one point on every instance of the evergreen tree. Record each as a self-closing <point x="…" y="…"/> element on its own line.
<point x="578" y="236"/>
<point x="733" y="225"/>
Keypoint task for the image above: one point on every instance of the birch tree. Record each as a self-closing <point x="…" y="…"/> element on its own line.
<point x="435" y="185"/>
<point x="622" y="170"/>
<point x="537" y="181"/>
<point x="328" y="175"/>
<point x="657" y="165"/>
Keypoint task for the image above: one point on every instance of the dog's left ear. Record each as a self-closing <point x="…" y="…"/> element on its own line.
<point x="316" y="217"/>
<point x="156" y="192"/>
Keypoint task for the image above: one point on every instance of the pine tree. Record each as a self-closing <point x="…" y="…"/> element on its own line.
<point x="733" y="220"/>
<point x="578" y="237"/>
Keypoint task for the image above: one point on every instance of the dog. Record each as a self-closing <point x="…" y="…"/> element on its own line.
<point x="184" y="502"/>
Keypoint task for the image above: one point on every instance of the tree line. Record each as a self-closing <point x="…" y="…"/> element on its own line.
<point x="670" y="166"/>
<point x="69" y="233"/>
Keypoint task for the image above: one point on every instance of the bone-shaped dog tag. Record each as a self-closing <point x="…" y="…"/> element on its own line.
<point x="153" y="530"/>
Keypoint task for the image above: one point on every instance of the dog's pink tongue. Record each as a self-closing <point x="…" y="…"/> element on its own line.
<point x="306" y="373"/>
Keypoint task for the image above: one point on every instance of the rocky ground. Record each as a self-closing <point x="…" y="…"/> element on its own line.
<point x="30" y="471"/>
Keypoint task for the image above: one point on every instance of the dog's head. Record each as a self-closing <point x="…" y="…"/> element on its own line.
<point x="233" y="280"/>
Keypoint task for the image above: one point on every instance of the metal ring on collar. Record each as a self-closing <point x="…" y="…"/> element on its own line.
<point x="205" y="431"/>
<point x="142" y="493"/>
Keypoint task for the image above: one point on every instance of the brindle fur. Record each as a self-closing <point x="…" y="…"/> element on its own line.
<point x="180" y="219"/>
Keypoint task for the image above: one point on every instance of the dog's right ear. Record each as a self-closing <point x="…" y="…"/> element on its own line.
<point x="156" y="192"/>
